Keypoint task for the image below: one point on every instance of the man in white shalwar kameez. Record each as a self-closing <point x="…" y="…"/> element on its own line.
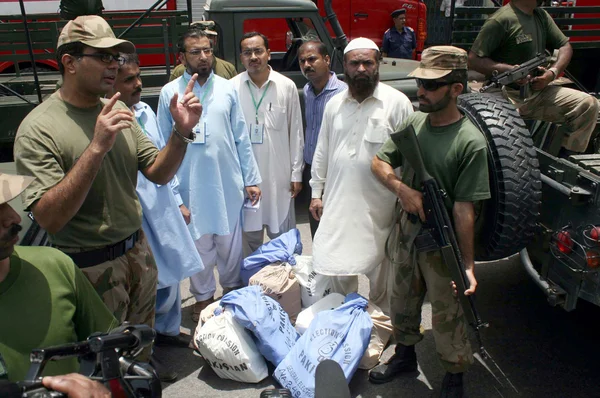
<point x="272" y="111"/>
<point x="355" y="212"/>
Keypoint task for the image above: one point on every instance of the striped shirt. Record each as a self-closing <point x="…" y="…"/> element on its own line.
<point x="314" y="106"/>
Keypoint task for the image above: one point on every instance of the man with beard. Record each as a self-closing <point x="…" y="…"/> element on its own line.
<point x="515" y="34"/>
<point x="322" y="85"/>
<point x="85" y="152"/>
<point x="217" y="170"/>
<point x="220" y="67"/>
<point x="164" y="218"/>
<point x="272" y="110"/>
<point x="454" y="153"/>
<point x="355" y="211"/>
<point x="45" y="300"/>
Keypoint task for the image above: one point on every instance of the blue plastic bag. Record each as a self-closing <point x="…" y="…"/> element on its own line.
<point x="265" y="319"/>
<point x="280" y="249"/>
<point x="341" y="334"/>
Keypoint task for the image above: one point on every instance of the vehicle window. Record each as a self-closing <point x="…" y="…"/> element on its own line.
<point x="285" y="36"/>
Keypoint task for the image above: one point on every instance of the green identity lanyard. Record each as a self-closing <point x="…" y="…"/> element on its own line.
<point x="256" y="106"/>
<point x="141" y="123"/>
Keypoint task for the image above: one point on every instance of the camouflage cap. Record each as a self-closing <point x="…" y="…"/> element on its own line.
<point x="12" y="185"/>
<point x="206" y="26"/>
<point x="438" y="61"/>
<point x="93" y="31"/>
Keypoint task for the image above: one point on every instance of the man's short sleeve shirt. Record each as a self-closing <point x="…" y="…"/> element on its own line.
<point x="510" y="36"/>
<point x="455" y="155"/>
<point x="399" y="44"/>
<point x="49" y="142"/>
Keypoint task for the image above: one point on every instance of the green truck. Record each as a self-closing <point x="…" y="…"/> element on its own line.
<point x="536" y="197"/>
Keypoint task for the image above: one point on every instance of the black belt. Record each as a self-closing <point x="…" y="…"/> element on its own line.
<point x="108" y="253"/>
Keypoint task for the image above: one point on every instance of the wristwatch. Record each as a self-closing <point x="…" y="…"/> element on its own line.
<point x="554" y="72"/>
<point x="185" y="139"/>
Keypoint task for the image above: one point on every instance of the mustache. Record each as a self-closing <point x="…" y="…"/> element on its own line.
<point x="138" y="90"/>
<point x="13" y="231"/>
<point x="308" y="70"/>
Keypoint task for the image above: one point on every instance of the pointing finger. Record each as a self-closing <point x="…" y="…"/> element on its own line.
<point x="111" y="102"/>
<point x="190" y="85"/>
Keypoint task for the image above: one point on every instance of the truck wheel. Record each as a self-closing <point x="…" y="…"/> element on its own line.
<point x="506" y="223"/>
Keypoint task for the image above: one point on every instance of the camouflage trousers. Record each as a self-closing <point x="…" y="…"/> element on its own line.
<point x="576" y="110"/>
<point x="127" y="285"/>
<point x="415" y="275"/>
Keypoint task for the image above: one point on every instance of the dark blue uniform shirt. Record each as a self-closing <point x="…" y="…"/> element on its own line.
<point x="399" y="44"/>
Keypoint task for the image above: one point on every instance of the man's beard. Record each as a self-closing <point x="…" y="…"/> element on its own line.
<point x="441" y="104"/>
<point x="202" y="71"/>
<point x="363" y="84"/>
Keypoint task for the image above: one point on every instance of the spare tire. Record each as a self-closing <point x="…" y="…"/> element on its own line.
<point x="506" y="223"/>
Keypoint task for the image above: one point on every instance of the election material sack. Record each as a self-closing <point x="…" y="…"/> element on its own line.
<point x="230" y="350"/>
<point x="265" y="318"/>
<point x="306" y="316"/>
<point x="313" y="286"/>
<point x="380" y="335"/>
<point x="278" y="250"/>
<point x="205" y="315"/>
<point x="341" y="335"/>
<point x="279" y="282"/>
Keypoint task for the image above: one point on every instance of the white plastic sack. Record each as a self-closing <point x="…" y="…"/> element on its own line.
<point x="380" y="334"/>
<point x="313" y="286"/>
<point x="279" y="282"/>
<point x="230" y="350"/>
<point x="332" y="301"/>
<point x="205" y="315"/>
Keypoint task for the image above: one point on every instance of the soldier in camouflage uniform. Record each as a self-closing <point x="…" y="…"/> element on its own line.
<point x="455" y="154"/>
<point x="85" y="153"/>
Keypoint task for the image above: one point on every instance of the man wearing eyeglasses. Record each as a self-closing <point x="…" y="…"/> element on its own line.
<point x="217" y="172"/>
<point x="355" y="211"/>
<point x="454" y="153"/>
<point x="85" y="153"/>
<point x="220" y="67"/>
<point x="272" y="111"/>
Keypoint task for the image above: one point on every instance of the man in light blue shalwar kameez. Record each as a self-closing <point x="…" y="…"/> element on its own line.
<point x="218" y="170"/>
<point x="163" y="216"/>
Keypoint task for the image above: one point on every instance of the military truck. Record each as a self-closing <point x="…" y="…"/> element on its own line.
<point x="536" y="197"/>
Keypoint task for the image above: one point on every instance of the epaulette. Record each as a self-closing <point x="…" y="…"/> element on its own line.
<point x="386" y="31"/>
<point x="409" y="28"/>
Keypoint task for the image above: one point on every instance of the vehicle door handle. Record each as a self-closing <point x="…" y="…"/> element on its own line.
<point x="361" y="15"/>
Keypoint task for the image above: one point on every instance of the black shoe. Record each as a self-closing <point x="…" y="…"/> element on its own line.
<point x="173" y="341"/>
<point x="165" y="375"/>
<point x="452" y="386"/>
<point x="403" y="361"/>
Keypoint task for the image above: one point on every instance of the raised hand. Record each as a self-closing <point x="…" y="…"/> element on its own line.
<point x="187" y="111"/>
<point x="109" y="123"/>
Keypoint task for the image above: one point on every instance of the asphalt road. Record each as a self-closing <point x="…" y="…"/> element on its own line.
<point x="544" y="351"/>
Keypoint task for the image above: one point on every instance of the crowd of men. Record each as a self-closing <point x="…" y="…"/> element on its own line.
<point x="136" y="201"/>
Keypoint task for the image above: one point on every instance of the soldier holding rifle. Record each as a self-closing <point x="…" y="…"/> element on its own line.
<point x="515" y="34"/>
<point x="454" y="153"/>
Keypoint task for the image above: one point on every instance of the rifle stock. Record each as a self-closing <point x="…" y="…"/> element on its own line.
<point x="407" y="143"/>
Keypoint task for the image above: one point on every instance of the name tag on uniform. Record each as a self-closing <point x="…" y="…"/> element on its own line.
<point x="200" y="131"/>
<point x="523" y="38"/>
<point x="257" y="133"/>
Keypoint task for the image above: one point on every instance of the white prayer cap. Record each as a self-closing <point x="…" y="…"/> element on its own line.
<point x="361" y="43"/>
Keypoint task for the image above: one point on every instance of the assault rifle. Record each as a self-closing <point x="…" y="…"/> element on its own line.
<point x="439" y="225"/>
<point x="529" y="68"/>
<point x="106" y="358"/>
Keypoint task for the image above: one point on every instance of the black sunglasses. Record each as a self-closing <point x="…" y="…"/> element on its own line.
<point x="432" y="84"/>
<point x="104" y="57"/>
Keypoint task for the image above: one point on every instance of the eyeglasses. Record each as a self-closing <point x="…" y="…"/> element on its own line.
<point x="104" y="57"/>
<point x="432" y="84"/>
<point x="197" y="51"/>
<point x="258" y="51"/>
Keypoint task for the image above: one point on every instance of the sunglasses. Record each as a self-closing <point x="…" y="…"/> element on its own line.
<point x="432" y="84"/>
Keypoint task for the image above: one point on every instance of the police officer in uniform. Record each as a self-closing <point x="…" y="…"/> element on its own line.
<point x="399" y="41"/>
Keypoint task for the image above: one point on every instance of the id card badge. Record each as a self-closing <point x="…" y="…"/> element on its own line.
<point x="257" y="133"/>
<point x="200" y="131"/>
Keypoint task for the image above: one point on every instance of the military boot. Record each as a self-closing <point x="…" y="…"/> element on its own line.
<point x="452" y="386"/>
<point x="404" y="360"/>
